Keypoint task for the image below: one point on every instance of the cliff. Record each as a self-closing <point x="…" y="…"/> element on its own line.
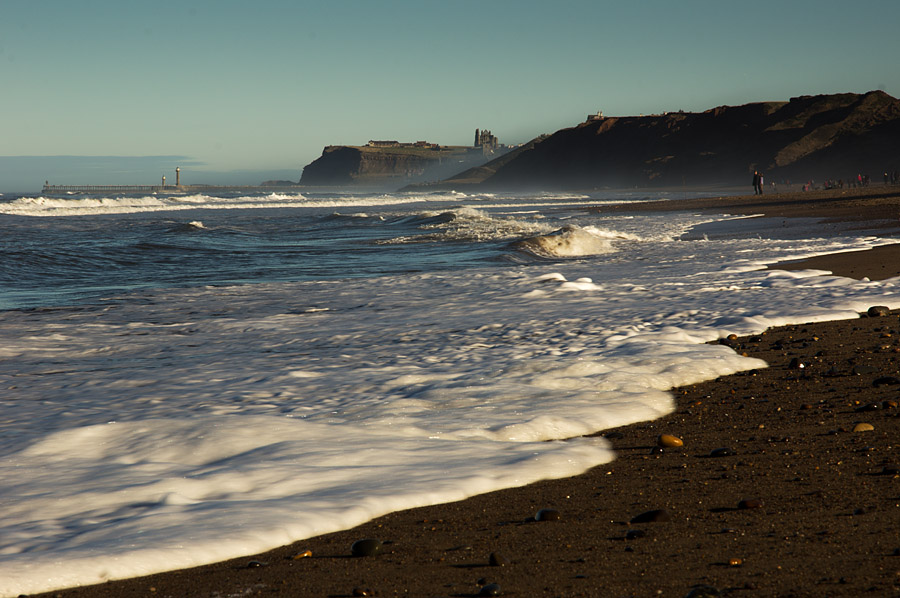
<point x="810" y="137"/>
<point x="388" y="166"/>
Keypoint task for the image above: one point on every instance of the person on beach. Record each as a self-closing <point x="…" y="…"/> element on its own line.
<point x="757" y="183"/>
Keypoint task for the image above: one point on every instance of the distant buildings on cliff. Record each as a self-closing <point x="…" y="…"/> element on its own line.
<point x="485" y="141"/>
<point x="417" y="144"/>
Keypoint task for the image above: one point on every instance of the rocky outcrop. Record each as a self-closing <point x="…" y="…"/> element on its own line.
<point x="809" y="137"/>
<point x="388" y="166"/>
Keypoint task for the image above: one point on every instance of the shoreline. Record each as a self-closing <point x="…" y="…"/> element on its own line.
<point x="877" y="206"/>
<point x="827" y="521"/>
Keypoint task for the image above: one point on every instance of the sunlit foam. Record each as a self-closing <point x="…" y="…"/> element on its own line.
<point x="573" y="241"/>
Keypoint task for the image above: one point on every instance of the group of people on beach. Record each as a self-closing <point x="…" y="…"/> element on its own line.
<point x="861" y="180"/>
<point x="891" y="177"/>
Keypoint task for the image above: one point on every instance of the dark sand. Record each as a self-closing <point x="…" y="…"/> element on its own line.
<point x="825" y="499"/>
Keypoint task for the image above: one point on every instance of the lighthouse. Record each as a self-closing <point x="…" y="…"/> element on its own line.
<point x="178" y="176"/>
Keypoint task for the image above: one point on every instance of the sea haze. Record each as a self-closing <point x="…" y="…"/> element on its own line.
<point x="192" y="378"/>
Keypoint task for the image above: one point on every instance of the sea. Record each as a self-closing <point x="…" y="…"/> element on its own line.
<point x="186" y="379"/>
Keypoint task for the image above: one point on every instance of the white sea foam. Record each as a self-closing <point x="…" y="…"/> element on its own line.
<point x="465" y="223"/>
<point x="180" y="427"/>
<point x="126" y="490"/>
<point x="87" y="205"/>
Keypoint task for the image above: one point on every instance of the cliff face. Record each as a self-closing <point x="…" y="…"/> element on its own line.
<point x="363" y="165"/>
<point x="335" y="167"/>
<point x="811" y="137"/>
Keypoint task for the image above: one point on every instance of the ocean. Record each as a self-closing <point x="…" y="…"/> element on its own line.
<point x="187" y="379"/>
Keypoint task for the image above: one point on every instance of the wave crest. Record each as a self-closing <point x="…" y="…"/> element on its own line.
<point x="573" y="241"/>
<point x="468" y="224"/>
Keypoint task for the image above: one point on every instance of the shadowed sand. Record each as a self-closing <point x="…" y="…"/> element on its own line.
<point x="825" y="499"/>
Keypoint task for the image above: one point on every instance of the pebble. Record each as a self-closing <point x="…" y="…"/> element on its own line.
<point x="669" y="441"/>
<point x="302" y="555"/>
<point x="491" y="589"/>
<point x="654" y="516"/>
<point x="256" y="564"/>
<point x="547" y="515"/>
<point x="863" y="427"/>
<point x="363" y="592"/>
<point x="367" y="547"/>
<point x="877" y="311"/>
<point x="750" y="503"/>
<point x="498" y="560"/>
<point x="702" y="591"/>
<point x="723" y="452"/>
<point x="634" y="534"/>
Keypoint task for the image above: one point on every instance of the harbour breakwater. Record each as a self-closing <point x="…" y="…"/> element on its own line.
<point x="166" y="189"/>
<point x="64" y="189"/>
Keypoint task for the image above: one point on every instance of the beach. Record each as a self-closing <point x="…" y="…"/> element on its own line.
<point x="786" y="482"/>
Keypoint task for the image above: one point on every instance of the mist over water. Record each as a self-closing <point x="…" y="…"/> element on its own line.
<point x="190" y="379"/>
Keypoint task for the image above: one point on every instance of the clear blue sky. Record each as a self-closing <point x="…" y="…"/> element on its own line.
<point x="237" y="91"/>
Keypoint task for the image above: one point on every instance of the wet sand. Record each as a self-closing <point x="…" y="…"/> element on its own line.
<point x="776" y="491"/>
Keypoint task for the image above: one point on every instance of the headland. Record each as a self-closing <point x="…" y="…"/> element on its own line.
<point x="395" y="163"/>
<point x="821" y="141"/>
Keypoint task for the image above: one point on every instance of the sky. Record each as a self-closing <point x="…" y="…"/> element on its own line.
<point x="236" y="92"/>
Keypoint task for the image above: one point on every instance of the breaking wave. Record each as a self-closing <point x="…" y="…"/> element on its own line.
<point x="470" y="225"/>
<point x="85" y="205"/>
<point x="573" y="241"/>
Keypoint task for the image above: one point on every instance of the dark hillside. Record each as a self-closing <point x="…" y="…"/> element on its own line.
<point x="810" y="137"/>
